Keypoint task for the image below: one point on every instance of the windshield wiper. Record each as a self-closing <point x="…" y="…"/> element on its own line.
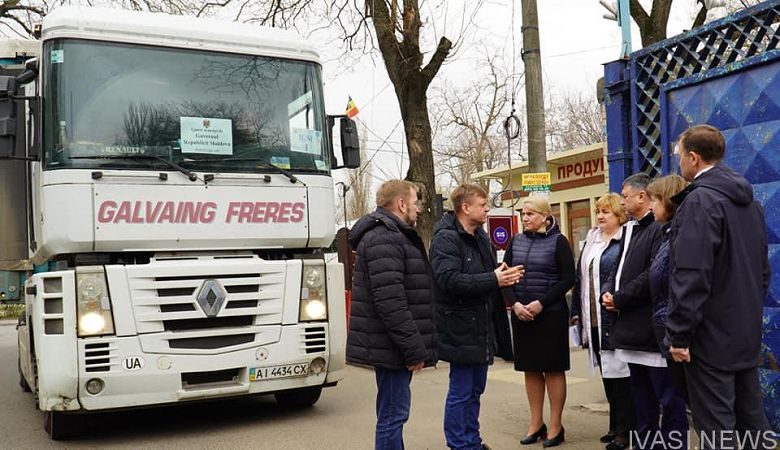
<point x="285" y="172"/>
<point x="171" y="164"/>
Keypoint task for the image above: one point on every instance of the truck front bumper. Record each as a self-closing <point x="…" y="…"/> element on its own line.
<point x="134" y="378"/>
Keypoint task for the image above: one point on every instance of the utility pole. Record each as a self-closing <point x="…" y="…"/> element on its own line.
<point x="534" y="94"/>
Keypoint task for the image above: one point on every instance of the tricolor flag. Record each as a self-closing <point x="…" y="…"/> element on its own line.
<point x="352" y="109"/>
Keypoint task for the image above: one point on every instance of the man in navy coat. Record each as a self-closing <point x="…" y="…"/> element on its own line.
<point x="719" y="276"/>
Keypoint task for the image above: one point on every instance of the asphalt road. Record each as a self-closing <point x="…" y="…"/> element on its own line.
<point x="342" y="419"/>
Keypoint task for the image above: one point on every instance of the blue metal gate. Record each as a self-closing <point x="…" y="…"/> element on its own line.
<point x="726" y="74"/>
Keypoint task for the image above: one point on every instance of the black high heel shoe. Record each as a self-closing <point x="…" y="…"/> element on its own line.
<point x="556" y="441"/>
<point x="540" y="434"/>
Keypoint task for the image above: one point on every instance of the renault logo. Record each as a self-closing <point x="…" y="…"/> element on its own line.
<point x="211" y="297"/>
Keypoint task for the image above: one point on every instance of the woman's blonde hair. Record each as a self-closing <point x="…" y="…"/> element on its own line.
<point x="611" y="202"/>
<point x="538" y="204"/>
<point x="665" y="188"/>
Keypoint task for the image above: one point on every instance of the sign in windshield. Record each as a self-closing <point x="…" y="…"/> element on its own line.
<point x="204" y="111"/>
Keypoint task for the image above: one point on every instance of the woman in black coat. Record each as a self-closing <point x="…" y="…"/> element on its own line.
<point x="540" y="321"/>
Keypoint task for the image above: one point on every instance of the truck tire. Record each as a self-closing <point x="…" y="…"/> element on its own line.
<point x="60" y="425"/>
<point x="22" y="382"/>
<point x="299" y="398"/>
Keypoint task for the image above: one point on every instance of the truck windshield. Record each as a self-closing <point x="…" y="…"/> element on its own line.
<point x="204" y="111"/>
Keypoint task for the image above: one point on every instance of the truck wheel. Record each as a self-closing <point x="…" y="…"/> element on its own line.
<point x="299" y="398"/>
<point x="60" y="425"/>
<point x="22" y="382"/>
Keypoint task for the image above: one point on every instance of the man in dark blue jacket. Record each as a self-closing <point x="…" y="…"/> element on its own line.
<point x="467" y="303"/>
<point x="719" y="276"/>
<point x="391" y="320"/>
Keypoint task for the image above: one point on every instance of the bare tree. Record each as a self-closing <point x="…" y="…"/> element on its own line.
<point x="468" y="123"/>
<point x="652" y="25"/>
<point x="573" y="120"/>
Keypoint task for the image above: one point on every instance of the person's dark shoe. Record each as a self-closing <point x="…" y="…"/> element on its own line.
<point x="485" y="447"/>
<point x="531" y="438"/>
<point x="555" y="441"/>
<point x="607" y="438"/>
<point x="617" y="444"/>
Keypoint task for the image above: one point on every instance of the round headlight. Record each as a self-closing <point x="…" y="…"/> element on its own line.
<point x="92" y="323"/>
<point x="90" y="289"/>
<point x="315" y="309"/>
<point x="313" y="278"/>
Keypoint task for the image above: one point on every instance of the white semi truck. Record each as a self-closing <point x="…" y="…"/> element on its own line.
<point x="169" y="179"/>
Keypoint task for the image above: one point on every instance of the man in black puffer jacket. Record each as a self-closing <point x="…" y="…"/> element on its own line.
<point x="468" y="302"/>
<point x="391" y="321"/>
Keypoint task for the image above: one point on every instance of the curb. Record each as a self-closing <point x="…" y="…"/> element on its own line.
<point x="7" y="322"/>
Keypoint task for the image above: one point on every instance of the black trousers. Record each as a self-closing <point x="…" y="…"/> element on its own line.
<point x="622" y="414"/>
<point x="728" y="407"/>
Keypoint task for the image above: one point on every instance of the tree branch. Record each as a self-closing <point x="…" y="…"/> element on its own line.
<point x="702" y="16"/>
<point x="639" y="14"/>
<point x="433" y="66"/>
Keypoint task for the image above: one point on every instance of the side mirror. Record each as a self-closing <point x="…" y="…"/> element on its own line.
<point x="7" y="117"/>
<point x="350" y="143"/>
<point x="30" y="72"/>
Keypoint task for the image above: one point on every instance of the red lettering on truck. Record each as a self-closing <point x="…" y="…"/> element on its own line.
<point x="169" y="212"/>
<point x="156" y="212"/>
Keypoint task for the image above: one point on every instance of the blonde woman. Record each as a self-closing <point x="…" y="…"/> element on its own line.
<point x="541" y="316"/>
<point x="596" y="275"/>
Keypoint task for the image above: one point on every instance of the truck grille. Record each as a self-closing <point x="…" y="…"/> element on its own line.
<point x="314" y="339"/>
<point x="99" y="356"/>
<point x="205" y="304"/>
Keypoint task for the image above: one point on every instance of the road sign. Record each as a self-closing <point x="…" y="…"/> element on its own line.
<point x="500" y="235"/>
<point x="500" y="229"/>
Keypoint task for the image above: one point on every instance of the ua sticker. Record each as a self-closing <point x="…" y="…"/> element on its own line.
<point x="133" y="363"/>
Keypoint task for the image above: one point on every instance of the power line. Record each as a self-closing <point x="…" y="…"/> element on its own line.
<point x="376" y="152"/>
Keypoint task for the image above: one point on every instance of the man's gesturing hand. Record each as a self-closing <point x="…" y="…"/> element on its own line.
<point x="507" y="276"/>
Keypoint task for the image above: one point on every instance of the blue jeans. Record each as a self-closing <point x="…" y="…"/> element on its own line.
<point x="393" y="398"/>
<point x="461" y="412"/>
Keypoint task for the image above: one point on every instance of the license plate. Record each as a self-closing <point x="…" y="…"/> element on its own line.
<point x="285" y="371"/>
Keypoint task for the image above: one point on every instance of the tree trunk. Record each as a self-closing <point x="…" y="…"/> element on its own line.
<point x="417" y="126"/>
<point x="404" y="63"/>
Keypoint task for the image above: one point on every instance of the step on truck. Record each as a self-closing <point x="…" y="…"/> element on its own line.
<point x="168" y="201"/>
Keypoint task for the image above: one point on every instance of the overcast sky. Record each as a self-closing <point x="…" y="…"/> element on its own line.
<point x="575" y="41"/>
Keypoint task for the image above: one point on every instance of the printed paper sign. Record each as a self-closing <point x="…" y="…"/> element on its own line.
<point x="57" y="56"/>
<point x="306" y="141"/>
<point x="539" y="181"/>
<point x="321" y="165"/>
<point x="206" y="135"/>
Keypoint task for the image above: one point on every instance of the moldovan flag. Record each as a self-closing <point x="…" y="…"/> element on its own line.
<point x="352" y="109"/>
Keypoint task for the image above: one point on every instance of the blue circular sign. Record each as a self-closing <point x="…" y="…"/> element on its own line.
<point x="500" y="235"/>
